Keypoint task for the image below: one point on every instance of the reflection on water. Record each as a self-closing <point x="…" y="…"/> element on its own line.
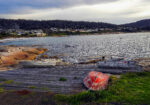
<point x="79" y="48"/>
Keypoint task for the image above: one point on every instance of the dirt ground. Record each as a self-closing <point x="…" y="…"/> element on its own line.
<point x="31" y="98"/>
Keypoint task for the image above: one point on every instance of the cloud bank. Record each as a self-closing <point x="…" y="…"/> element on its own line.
<point x="113" y="11"/>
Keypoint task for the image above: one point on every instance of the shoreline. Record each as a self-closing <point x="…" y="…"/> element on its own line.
<point x="33" y="47"/>
<point x="35" y="82"/>
<point x="107" y="33"/>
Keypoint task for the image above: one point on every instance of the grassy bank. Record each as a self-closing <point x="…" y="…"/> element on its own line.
<point x="131" y="88"/>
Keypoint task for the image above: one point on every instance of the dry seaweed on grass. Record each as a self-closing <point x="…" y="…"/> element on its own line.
<point x="23" y="92"/>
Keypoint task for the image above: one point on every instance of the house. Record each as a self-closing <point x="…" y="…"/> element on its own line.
<point x="39" y="33"/>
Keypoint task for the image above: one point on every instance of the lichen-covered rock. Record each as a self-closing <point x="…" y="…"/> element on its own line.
<point x="12" y="55"/>
<point x="96" y="81"/>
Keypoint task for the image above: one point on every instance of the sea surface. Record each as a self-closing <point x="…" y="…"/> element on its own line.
<point x="78" y="48"/>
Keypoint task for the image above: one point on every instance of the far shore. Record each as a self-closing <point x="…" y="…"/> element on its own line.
<point x="107" y="33"/>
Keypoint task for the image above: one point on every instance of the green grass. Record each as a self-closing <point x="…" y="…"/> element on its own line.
<point x="131" y="88"/>
<point x="62" y="79"/>
<point x="1" y="90"/>
<point x="45" y="89"/>
<point x="32" y="87"/>
<point x="8" y="82"/>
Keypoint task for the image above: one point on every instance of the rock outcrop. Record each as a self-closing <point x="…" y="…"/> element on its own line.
<point x="11" y="55"/>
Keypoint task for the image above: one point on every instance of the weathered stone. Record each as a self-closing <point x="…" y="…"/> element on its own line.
<point x="43" y="63"/>
<point x="91" y="61"/>
<point x="14" y="54"/>
<point x="96" y="81"/>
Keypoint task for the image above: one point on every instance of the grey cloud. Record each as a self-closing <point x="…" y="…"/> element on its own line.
<point x="8" y="6"/>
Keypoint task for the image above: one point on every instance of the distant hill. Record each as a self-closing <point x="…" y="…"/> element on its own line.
<point x="142" y="24"/>
<point x="35" y="24"/>
<point x="47" y="24"/>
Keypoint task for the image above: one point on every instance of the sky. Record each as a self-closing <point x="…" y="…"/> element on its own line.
<point x="110" y="11"/>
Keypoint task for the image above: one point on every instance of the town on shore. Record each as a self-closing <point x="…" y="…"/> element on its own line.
<point x="32" y="28"/>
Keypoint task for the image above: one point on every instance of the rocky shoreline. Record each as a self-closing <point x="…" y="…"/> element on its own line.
<point x="39" y="70"/>
<point x="10" y="56"/>
<point x="16" y="56"/>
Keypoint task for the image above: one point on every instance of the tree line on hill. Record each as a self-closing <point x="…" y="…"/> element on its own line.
<point x="35" y="24"/>
<point x="46" y="25"/>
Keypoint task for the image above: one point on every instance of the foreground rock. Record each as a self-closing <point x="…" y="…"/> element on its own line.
<point x="11" y="55"/>
<point x="144" y="62"/>
<point x="119" y="64"/>
<point x="96" y="81"/>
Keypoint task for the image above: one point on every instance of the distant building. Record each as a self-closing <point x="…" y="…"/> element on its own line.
<point x="39" y="33"/>
<point x="54" y="29"/>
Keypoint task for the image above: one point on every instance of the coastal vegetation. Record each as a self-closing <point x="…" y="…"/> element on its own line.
<point x="131" y="88"/>
<point x="62" y="79"/>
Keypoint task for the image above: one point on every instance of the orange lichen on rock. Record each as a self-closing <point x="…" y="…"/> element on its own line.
<point x="15" y="54"/>
<point x="8" y="61"/>
<point x="23" y="56"/>
<point x="36" y="51"/>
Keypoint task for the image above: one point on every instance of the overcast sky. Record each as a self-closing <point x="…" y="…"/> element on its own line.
<point x="111" y="11"/>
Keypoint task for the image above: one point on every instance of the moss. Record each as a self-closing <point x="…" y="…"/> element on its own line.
<point x="1" y="90"/>
<point x="32" y="87"/>
<point x="62" y="79"/>
<point x="45" y="88"/>
<point x="8" y="82"/>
